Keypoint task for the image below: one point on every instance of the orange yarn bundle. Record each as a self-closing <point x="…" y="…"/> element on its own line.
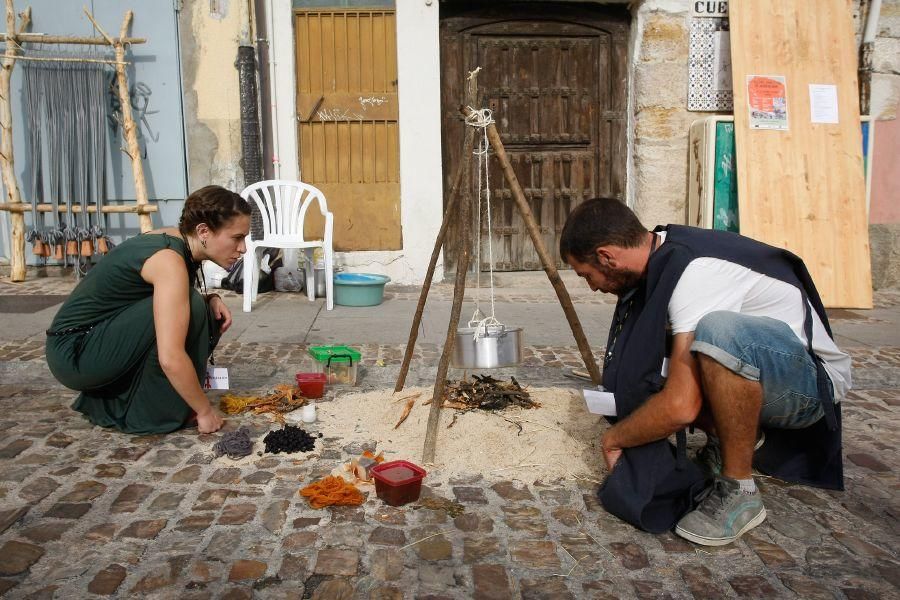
<point x="332" y="491"/>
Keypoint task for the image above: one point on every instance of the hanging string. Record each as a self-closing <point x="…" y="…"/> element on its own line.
<point x="32" y="104"/>
<point x="66" y="105"/>
<point x="480" y="119"/>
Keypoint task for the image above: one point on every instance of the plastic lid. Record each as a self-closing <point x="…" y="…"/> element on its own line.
<point x="361" y="279"/>
<point x="380" y="472"/>
<point x="313" y="377"/>
<point x="337" y="354"/>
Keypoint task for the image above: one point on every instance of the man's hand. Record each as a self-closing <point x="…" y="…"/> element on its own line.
<point x="611" y="451"/>
<point x="209" y="421"/>
<point x="220" y="312"/>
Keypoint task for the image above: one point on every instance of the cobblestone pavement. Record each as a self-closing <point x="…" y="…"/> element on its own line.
<point x="88" y="512"/>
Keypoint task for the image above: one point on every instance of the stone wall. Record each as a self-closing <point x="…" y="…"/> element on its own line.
<point x="884" y="230"/>
<point x="886" y="62"/>
<point x="658" y="178"/>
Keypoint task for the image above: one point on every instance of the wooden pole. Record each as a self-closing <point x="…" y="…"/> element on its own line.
<point x="459" y="292"/>
<point x="423" y="295"/>
<point x="21" y="207"/>
<point x="459" y="287"/>
<point x="40" y="38"/>
<point x="561" y="292"/>
<point x="129" y="129"/>
<point x="7" y="162"/>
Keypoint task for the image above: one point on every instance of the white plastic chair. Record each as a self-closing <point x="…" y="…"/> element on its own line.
<point x="283" y="206"/>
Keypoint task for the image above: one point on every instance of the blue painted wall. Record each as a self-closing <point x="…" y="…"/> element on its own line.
<point x="155" y="79"/>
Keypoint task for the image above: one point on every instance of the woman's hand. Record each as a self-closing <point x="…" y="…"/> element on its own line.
<point x="220" y="312"/>
<point x="209" y="421"/>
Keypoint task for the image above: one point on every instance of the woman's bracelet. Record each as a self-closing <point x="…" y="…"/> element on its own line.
<point x="210" y="297"/>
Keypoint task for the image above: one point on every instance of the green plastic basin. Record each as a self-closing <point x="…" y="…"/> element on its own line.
<point x="359" y="289"/>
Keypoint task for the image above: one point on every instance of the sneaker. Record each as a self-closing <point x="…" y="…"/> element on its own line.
<point x="709" y="457"/>
<point x="724" y="515"/>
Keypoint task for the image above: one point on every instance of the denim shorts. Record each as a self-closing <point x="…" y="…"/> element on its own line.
<point x="765" y="350"/>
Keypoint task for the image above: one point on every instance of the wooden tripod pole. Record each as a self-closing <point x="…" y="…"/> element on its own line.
<point x="459" y="287"/>
<point x="429" y="275"/>
<point x="561" y="292"/>
<point x="459" y="291"/>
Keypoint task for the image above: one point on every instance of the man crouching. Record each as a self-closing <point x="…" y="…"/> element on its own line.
<point x="750" y="360"/>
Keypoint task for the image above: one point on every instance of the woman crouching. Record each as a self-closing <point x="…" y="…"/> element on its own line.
<point x="135" y="335"/>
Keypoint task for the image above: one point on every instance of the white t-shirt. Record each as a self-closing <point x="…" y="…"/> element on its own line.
<point x="711" y="284"/>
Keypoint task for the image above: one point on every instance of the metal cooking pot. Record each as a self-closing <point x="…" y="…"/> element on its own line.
<point x="496" y="346"/>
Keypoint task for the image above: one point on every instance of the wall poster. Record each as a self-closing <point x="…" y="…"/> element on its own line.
<point x="767" y="102"/>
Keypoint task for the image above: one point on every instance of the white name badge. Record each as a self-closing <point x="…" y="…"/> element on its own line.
<point x="600" y="402"/>
<point x="216" y="378"/>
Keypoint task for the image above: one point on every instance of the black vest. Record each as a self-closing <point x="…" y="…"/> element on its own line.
<point x="654" y="485"/>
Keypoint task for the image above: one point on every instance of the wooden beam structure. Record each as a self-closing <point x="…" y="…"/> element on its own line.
<point x="7" y="156"/>
<point x="129" y="127"/>
<point x="13" y="38"/>
<point x="21" y="207"/>
<point x="42" y="38"/>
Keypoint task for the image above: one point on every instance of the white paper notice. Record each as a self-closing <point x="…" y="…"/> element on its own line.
<point x="600" y="402"/>
<point x="823" y="103"/>
<point x="216" y="378"/>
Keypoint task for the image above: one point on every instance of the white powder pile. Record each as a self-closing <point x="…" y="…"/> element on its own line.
<point x="559" y="439"/>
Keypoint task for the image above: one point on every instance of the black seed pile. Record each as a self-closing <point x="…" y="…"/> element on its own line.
<point x="288" y="440"/>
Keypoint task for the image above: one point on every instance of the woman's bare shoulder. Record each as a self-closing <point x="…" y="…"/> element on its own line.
<point x="170" y="231"/>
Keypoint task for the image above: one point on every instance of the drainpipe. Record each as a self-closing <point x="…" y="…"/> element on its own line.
<point x="866" y="49"/>
<point x="272" y="109"/>
<point x="263" y="48"/>
<point x="246" y="66"/>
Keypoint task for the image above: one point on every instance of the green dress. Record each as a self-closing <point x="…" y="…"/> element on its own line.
<point x="103" y="343"/>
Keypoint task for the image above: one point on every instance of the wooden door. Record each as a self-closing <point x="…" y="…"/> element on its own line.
<point x="555" y="78"/>
<point x="347" y="121"/>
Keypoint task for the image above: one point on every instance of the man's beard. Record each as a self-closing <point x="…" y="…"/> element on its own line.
<point x="620" y="281"/>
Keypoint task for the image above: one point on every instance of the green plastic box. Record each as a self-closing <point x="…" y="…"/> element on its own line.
<point x="339" y="363"/>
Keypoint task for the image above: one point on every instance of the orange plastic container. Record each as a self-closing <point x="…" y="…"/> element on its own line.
<point x="398" y="481"/>
<point x="312" y="385"/>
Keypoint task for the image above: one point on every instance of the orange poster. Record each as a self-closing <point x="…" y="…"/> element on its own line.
<point x="767" y="102"/>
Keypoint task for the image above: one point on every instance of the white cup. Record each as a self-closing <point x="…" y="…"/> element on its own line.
<point x="309" y="413"/>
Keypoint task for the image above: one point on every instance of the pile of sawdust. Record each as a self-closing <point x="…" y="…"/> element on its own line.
<point x="559" y="439"/>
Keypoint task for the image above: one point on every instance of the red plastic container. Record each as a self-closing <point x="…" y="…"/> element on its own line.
<point x="398" y="481"/>
<point x="312" y="385"/>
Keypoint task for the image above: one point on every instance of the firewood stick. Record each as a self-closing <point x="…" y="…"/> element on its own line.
<point x="549" y="268"/>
